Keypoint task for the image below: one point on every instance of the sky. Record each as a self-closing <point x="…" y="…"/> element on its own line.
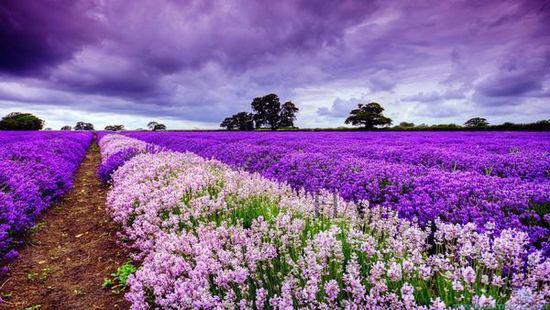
<point x="189" y="64"/>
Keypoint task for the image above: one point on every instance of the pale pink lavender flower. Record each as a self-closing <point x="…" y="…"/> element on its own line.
<point x="483" y="302"/>
<point x="394" y="272"/>
<point x="331" y="291"/>
<point x="469" y="275"/>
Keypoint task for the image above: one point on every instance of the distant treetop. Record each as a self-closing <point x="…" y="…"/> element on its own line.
<point x="83" y="126"/>
<point x="21" y="121"/>
<point x="267" y="113"/>
<point x="156" y="126"/>
<point x="369" y="116"/>
<point x="476" y="122"/>
<point x="114" y="127"/>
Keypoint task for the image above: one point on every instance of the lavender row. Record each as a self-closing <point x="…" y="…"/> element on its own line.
<point x="523" y="155"/>
<point x="36" y="170"/>
<point x="116" y="150"/>
<point x="211" y="237"/>
<point x="333" y="161"/>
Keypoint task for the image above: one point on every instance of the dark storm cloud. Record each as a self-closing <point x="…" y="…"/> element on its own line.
<point x="201" y="60"/>
<point x="155" y="38"/>
<point x="35" y="34"/>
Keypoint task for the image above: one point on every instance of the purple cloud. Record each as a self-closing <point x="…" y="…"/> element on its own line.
<point x="340" y="107"/>
<point x="435" y="96"/>
<point x="515" y="81"/>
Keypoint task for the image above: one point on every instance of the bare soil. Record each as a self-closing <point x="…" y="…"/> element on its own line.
<point x="70" y="252"/>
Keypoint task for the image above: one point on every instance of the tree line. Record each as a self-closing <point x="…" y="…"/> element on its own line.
<point x="153" y="126"/>
<point x="370" y="116"/>
<point x="474" y="124"/>
<point x="28" y="121"/>
<point x="269" y="113"/>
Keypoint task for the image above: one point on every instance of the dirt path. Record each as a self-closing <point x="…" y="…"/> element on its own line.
<point x="73" y="249"/>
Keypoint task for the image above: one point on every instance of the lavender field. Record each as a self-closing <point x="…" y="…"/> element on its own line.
<point x="288" y="154"/>
<point x="283" y="220"/>
<point x="332" y="220"/>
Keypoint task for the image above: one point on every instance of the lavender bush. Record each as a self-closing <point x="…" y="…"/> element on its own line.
<point x="36" y="170"/>
<point x="113" y="162"/>
<point x="116" y="150"/>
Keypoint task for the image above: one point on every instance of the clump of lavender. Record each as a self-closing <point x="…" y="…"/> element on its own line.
<point x="113" y="162"/>
<point x="116" y="150"/>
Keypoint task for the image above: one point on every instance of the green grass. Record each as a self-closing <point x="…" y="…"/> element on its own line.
<point x="119" y="278"/>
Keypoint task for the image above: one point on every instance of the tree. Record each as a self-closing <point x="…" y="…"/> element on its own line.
<point x="228" y="123"/>
<point x="267" y="109"/>
<point x="368" y="116"/>
<point x="66" y="127"/>
<point x="21" y="121"/>
<point x="84" y="126"/>
<point x="241" y="121"/>
<point x="114" y="127"/>
<point x="244" y="120"/>
<point x="159" y="127"/>
<point x="476" y="122"/>
<point x="156" y="126"/>
<point x="540" y="125"/>
<point x="406" y="125"/>
<point x="151" y="125"/>
<point x="288" y="114"/>
<point x="269" y="112"/>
